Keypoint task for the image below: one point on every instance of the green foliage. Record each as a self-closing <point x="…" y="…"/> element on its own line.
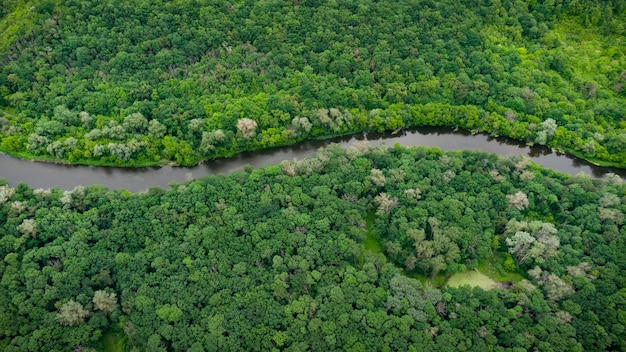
<point x="169" y="313"/>
<point x="269" y="259"/>
<point x="167" y="76"/>
<point x="113" y="341"/>
<point x="509" y="264"/>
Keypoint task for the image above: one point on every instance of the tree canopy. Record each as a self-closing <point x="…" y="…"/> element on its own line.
<point x="280" y="258"/>
<point x="117" y="83"/>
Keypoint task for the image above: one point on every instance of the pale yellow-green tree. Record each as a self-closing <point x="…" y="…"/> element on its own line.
<point x="28" y="228"/>
<point x="72" y="313"/>
<point x="385" y="203"/>
<point x="247" y="127"/>
<point x="377" y="178"/>
<point x="517" y="201"/>
<point x="104" y="301"/>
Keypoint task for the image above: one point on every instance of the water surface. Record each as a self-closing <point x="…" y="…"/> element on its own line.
<point x="47" y="175"/>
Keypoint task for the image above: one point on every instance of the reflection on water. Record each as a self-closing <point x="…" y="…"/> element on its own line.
<point x="46" y="175"/>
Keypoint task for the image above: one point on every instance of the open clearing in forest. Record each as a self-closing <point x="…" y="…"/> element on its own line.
<point x="371" y="242"/>
<point x="472" y="278"/>
<point x="113" y="341"/>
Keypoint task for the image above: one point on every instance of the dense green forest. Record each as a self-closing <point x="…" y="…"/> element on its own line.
<point x="113" y="82"/>
<point x="351" y="249"/>
<point x="275" y="259"/>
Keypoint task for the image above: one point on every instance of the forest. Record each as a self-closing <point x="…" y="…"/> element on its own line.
<point x="348" y="250"/>
<point x="137" y="83"/>
<point x="385" y="248"/>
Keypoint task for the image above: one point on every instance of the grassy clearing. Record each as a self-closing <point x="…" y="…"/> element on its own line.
<point x="472" y="278"/>
<point x="113" y="341"/>
<point x="371" y="242"/>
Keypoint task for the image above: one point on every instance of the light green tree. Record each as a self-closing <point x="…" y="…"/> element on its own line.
<point x="72" y="313"/>
<point x="104" y="301"/>
<point x="247" y="127"/>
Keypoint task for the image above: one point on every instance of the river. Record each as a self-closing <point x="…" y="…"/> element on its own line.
<point x="48" y="175"/>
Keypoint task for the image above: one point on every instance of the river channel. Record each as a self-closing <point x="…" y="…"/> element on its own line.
<point x="48" y="175"/>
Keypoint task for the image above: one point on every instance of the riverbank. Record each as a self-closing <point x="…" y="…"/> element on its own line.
<point x="178" y="151"/>
<point x="66" y="176"/>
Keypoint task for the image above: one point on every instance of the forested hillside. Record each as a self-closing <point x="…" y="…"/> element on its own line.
<point x="274" y="259"/>
<point x="133" y="83"/>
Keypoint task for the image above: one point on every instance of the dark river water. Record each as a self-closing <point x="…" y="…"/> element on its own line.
<point x="47" y="175"/>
